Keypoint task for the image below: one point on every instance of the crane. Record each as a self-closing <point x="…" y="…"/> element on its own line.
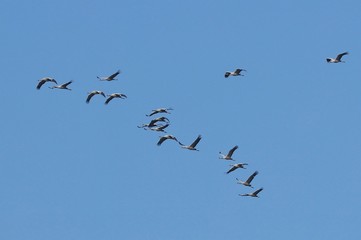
<point x="92" y="93"/>
<point x="337" y="59"/>
<point x="247" y="183"/>
<point x="229" y="154"/>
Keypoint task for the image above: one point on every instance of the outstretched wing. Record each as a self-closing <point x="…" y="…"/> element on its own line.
<point x="161" y="140"/>
<point x="230" y="153"/>
<point x="66" y="84"/>
<point x="114" y="75"/>
<point x="249" y="180"/>
<point x="89" y="97"/>
<point x="41" y="83"/>
<point x="226" y="75"/>
<point x="108" y="99"/>
<point x="232" y="169"/>
<point x="258" y="191"/>
<point x="194" y="144"/>
<point x="341" y="55"/>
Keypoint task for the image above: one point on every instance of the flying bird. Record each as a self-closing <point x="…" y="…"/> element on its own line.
<point x="193" y="145"/>
<point x="62" y="86"/>
<point x="91" y="94"/>
<point x="236" y="166"/>
<point x="237" y="72"/>
<point x="159" y="128"/>
<point x="337" y="59"/>
<point x="44" y="80"/>
<point x="159" y="110"/>
<point x="247" y="183"/>
<point x="229" y="154"/>
<point x="165" y="137"/>
<point x="109" y="78"/>
<point x="254" y="194"/>
<point x="153" y="122"/>
<point x="115" y="95"/>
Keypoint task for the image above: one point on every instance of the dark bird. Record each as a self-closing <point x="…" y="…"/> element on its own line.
<point x="62" y="86"/>
<point x="229" y="154"/>
<point x="254" y="194"/>
<point x="44" y="80"/>
<point x="115" y="95"/>
<point x="193" y="145"/>
<point x="91" y="94"/>
<point x="159" y="110"/>
<point x="237" y="72"/>
<point x="247" y="183"/>
<point x="236" y="166"/>
<point x="109" y="78"/>
<point x="337" y="59"/>
<point x="165" y="137"/>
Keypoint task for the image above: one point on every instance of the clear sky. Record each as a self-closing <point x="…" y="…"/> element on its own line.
<point x="71" y="170"/>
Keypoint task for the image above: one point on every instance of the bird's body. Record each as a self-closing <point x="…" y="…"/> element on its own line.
<point x="193" y="145"/>
<point x="111" y="77"/>
<point x="115" y="95"/>
<point x="91" y="94"/>
<point x="337" y="59"/>
<point x="236" y="166"/>
<point x="237" y="72"/>
<point x="253" y="194"/>
<point x="62" y="86"/>
<point x="159" y="110"/>
<point x="229" y="154"/>
<point x="165" y="137"/>
<point x="44" y="80"/>
<point x="247" y="183"/>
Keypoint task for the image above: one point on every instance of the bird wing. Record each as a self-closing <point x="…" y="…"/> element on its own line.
<point x="89" y="97"/>
<point x="161" y="140"/>
<point x="196" y="141"/>
<point x="341" y="55"/>
<point x="232" y="169"/>
<point x="230" y="153"/>
<point x="114" y="75"/>
<point x="257" y="191"/>
<point x="41" y="83"/>
<point x="163" y="127"/>
<point x="226" y="75"/>
<point x="102" y="94"/>
<point x="249" y="180"/>
<point x="238" y="71"/>
<point x="109" y="99"/>
<point x="66" y="84"/>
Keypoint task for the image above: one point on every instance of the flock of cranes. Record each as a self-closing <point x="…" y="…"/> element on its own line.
<point x="154" y="126"/>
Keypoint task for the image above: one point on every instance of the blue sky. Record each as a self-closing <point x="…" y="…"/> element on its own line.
<point x="71" y="170"/>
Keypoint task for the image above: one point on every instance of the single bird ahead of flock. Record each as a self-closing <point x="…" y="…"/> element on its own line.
<point x="254" y="194"/>
<point x="92" y="93"/>
<point x="229" y="154"/>
<point x="247" y="183"/>
<point x="337" y="59"/>
<point x="44" y="80"/>
<point x="115" y="95"/>
<point x="62" y="86"/>
<point x="111" y="77"/>
<point x="236" y="166"/>
<point x="165" y="137"/>
<point x="159" y="110"/>
<point x="237" y="72"/>
<point x="193" y="145"/>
